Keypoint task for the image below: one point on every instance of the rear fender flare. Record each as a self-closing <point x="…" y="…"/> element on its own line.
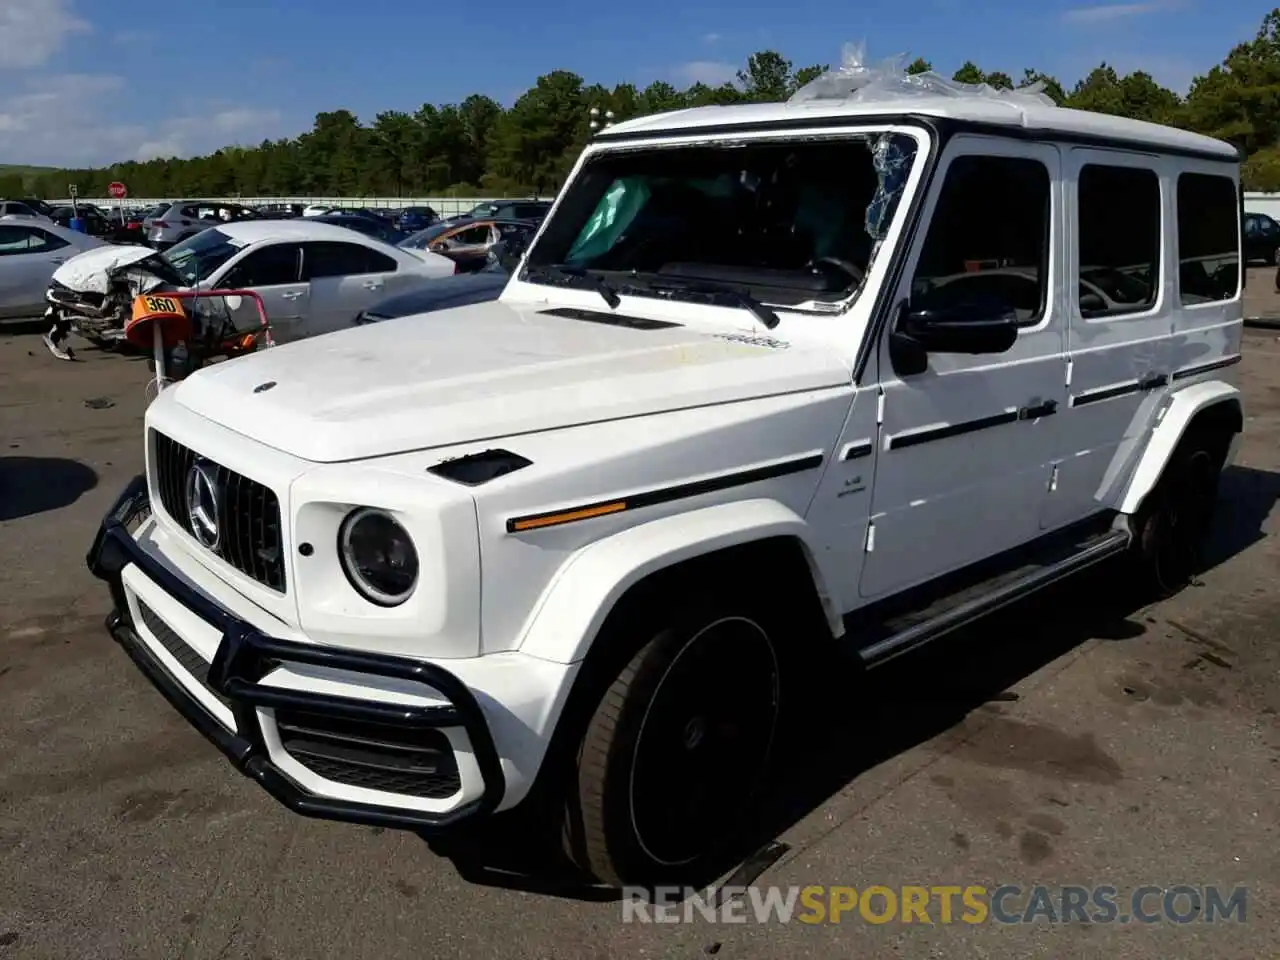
<point x="572" y="609"/>
<point x="1179" y="411"/>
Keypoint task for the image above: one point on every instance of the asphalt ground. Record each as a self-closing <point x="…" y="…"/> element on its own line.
<point x="1073" y="741"/>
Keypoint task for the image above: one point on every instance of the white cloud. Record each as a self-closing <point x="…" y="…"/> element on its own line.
<point x="68" y="120"/>
<point x="711" y="72"/>
<point x="32" y="31"/>
<point x="1107" y="13"/>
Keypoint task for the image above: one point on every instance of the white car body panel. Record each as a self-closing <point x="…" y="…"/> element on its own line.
<point x="87" y="272"/>
<point x="488" y="370"/>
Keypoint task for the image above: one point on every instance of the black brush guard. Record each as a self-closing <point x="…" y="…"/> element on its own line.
<point x="245" y="655"/>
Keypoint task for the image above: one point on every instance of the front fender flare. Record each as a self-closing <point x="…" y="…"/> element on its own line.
<point x="573" y="607"/>
<point x="1181" y="408"/>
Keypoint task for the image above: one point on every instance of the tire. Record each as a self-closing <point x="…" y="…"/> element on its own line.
<point x="676" y="750"/>
<point x="1172" y="526"/>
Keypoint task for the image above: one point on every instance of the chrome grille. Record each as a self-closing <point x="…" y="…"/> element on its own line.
<point x="248" y="511"/>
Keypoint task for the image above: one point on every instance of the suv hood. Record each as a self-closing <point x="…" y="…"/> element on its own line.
<point x="485" y="371"/>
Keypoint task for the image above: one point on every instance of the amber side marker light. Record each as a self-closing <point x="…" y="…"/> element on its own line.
<point x="567" y="516"/>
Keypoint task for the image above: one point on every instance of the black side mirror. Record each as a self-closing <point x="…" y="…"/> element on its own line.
<point x="979" y="326"/>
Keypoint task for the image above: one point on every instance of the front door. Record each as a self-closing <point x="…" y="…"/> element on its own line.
<point x="965" y="447"/>
<point x="274" y="273"/>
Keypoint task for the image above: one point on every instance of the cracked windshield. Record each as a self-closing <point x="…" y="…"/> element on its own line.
<point x="789" y="222"/>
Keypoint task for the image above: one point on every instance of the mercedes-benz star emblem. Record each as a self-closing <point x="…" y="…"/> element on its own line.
<point x="202" y="504"/>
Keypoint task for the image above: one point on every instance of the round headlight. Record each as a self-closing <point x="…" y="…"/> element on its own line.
<point x="378" y="557"/>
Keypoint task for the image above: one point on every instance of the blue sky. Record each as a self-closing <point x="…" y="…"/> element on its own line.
<point x="91" y="81"/>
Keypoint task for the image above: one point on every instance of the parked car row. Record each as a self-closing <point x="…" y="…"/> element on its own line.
<point x="314" y="274"/>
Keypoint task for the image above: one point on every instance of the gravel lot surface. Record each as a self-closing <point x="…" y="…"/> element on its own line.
<point x="1071" y="741"/>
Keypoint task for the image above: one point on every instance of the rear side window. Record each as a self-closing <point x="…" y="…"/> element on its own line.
<point x="1118" y="240"/>
<point x="1208" y="238"/>
<point x="344" y="259"/>
<point x="16" y="240"/>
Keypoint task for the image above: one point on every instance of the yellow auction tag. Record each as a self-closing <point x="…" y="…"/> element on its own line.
<point x="149" y="307"/>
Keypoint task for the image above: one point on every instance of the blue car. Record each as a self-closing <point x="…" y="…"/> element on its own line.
<point x="413" y="219"/>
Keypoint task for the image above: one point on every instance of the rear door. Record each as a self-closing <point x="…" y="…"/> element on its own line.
<point x="28" y="257"/>
<point x="345" y="278"/>
<point x="1119" y="221"/>
<point x="274" y="272"/>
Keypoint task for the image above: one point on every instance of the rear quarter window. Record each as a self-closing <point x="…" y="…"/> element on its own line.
<point x="1208" y="238"/>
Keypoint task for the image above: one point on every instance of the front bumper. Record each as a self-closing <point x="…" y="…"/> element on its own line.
<point x="245" y="656"/>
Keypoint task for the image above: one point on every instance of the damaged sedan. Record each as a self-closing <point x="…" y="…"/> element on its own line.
<point x="310" y="277"/>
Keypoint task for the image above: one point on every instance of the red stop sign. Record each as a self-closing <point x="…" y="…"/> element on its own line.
<point x="118" y="190"/>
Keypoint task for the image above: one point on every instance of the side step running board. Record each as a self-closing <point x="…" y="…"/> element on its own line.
<point x="1100" y="548"/>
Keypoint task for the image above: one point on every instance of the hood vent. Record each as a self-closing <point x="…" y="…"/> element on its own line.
<point x="612" y="319"/>
<point x="477" y="468"/>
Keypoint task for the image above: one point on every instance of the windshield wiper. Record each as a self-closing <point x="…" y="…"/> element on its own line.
<point x="576" y="277"/>
<point x="719" y="295"/>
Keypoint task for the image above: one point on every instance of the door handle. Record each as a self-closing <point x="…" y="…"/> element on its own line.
<point x="1038" y="408"/>
<point x="1153" y="381"/>
<point x="57" y="259"/>
<point x="372" y="284"/>
<point x="291" y="295"/>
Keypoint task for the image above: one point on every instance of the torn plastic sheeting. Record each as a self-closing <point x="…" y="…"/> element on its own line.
<point x="857" y="82"/>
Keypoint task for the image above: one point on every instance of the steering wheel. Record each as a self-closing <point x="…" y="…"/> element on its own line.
<point x="852" y="270"/>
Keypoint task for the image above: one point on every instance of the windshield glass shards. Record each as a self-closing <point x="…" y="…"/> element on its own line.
<point x="783" y="222"/>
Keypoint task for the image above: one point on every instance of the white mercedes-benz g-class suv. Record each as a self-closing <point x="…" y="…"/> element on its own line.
<point x="902" y="360"/>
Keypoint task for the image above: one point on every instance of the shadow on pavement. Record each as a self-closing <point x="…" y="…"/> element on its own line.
<point x="1246" y="498"/>
<point x="31" y="485"/>
<point x="852" y="721"/>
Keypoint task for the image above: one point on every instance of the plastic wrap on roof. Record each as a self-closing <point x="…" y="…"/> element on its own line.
<point x="857" y="81"/>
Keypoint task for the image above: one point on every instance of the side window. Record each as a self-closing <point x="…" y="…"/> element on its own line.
<point x="1208" y="238"/>
<point x="1252" y="226"/>
<point x="989" y="237"/>
<point x="18" y="240"/>
<point x="1119" y="239"/>
<point x="472" y="235"/>
<point x="14" y="240"/>
<point x="268" y="267"/>
<point x="44" y="240"/>
<point x="344" y="259"/>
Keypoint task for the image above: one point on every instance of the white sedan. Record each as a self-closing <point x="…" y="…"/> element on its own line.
<point x="313" y="277"/>
<point x="30" y="251"/>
